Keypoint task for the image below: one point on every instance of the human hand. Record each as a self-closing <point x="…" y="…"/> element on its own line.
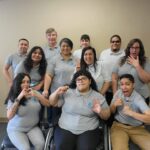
<point x="127" y="110"/>
<point x="62" y="90"/>
<point x="96" y="106"/>
<point x="134" y="62"/>
<point x="118" y="102"/>
<point x="45" y="93"/>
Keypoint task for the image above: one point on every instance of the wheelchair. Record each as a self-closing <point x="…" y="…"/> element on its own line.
<point x="104" y="141"/>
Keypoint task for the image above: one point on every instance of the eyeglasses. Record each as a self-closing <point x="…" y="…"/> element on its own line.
<point x="136" y="48"/>
<point x="81" y="79"/>
<point x="115" y="41"/>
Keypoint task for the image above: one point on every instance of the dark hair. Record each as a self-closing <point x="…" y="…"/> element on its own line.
<point x="83" y="64"/>
<point x="85" y="37"/>
<point x="86" y="73"/>
<point x="115" y="35"/>
<point x="16" y="89"/>
<point x="68" y="41"/>
<point x="24" y="40"/>
<point x="127" y="76"/>
<point x="28" y="62"/>
<point x="142" y="58"/>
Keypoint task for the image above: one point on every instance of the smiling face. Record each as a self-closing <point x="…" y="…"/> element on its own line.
<point x="25" y="83"/>
<point x="51" y="38"/>
<point x="36" y="56"/>
<point x="89" y="57"/>
<point x="84" y="43"/>
<point x="134" y="50"/>
<point x="83" y="84"/>
<point x="126" y="86"/>
<point x="115" y="44"/>
<point x="65" y="49"/>
<point x="23" y="46"/>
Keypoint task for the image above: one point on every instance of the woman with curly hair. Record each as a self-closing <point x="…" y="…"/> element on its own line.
<point x="35" y="65"/>
<point x="135" y="63"/>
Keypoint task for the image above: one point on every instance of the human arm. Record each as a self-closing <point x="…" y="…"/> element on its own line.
<point x="118" y="102"/>
<point x="12" y="110"/>
<point x="105" y="88"/>
<point x="54" y="97"/>
<point x="144" y="117"/>
<point x="114" y="82"/>
<point x="143" y="74"/>
<point x="7" y="74"/>
<point x="47" y="83"/>
<point x="44" y="101"/>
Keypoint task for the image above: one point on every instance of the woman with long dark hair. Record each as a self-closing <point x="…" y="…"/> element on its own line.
<point x="96" y="68"/>
<point x="135" y="63"/>
<point x="81" y="106"/>
<point x="35" y="65"/>
<point x="23" y="108"/>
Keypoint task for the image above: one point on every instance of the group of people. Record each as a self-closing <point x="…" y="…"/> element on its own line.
<point x="81" y="89"/>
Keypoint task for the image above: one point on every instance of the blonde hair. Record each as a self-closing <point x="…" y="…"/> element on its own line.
<point x="50" y="30"/>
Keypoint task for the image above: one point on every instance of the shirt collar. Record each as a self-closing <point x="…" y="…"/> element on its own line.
<point x="80" y="94"/>
<point x="116" y="53"/>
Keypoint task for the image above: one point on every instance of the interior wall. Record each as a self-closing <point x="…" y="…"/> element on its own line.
<point x="71" y="18"/>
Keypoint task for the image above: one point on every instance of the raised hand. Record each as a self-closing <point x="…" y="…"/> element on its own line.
<point x="62" y="90"/>
<point x="118" y="102"/>
<point x="135" y="62"/>
<point x="126" y="110"/>
<point x="96" y="106"/>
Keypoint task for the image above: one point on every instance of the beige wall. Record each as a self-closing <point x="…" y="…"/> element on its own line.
<point x="71" y="18"/>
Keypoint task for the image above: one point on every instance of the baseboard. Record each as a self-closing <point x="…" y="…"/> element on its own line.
<point x="3" y="119"/>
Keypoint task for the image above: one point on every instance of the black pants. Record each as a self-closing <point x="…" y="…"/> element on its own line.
<point x="65" y="140"/>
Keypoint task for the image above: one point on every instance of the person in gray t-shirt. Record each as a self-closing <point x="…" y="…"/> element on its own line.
<point x="13" y="60"/>
<point x="130" y="112"/>
<point x="23" y="108"/>
<point x="82" y="105"/>
<point x="135" y="63"/>
<point x="35" y="65"/>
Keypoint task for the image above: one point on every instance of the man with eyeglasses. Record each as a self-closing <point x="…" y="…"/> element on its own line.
<point x="109" y="57"/>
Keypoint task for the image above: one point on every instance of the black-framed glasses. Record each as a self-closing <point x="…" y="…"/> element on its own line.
<point x="81" y="79"/>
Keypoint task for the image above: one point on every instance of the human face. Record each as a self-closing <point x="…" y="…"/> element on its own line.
<point x="134" y="50"/>
<point x="25" y="83"/>
<point x="84" y="43"/>
<point x="115" y="44"/>
<point x="89" y="57"/>
<point x="83" y="84"/>
<point x="65" y="49"/>
<point x="51" y="38"/>
<point x="126" y="86"/>
<point x="36" y="56"/>
<point x="23" y="46"/>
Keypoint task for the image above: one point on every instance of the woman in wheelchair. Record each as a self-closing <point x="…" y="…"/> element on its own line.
<point x="131" y="112"/>
<point x="82" y="105"/>
<point x="23" y="108"/>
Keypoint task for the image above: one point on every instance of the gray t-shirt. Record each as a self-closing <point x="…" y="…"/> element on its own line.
<point x="136" y="102"/>
<point x="34" y="73"/>
<point x="61" y="70"/>
<point x="140" y="86"/>
<point x="51" y="52"/>
<point x="26" y="117"/>
<point x="14" y="59"/>
<point x="77" y="115"/>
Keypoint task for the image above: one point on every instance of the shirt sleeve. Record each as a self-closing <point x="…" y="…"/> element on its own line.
<point x="9" y="104"/>
<point x="51" y="67"/>
<point x="9" y="60"/>
<point x="19" y="68"/>
<point x="105" y="73"/>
